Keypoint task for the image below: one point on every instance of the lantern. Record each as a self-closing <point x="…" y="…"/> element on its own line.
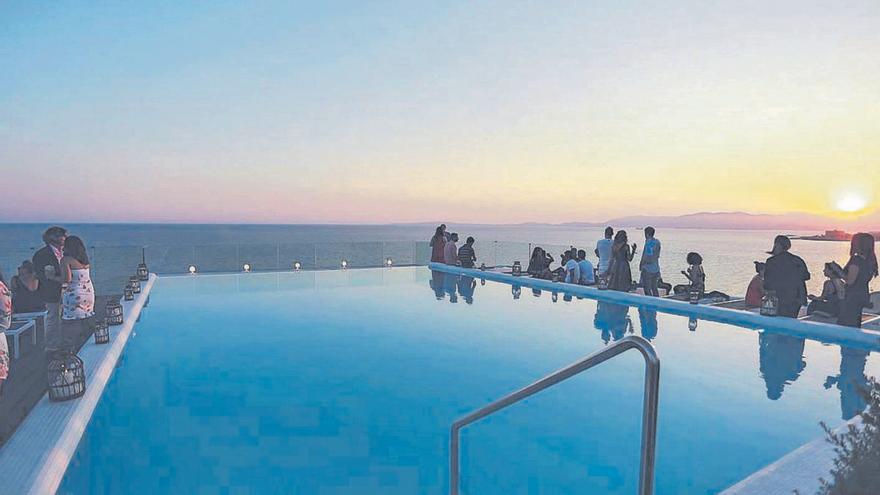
<point x="389" y="262"/>
<point x="517" y="269"/>
<point x="692" y="324"/>
<point x="770" y="304"/>
<point x="482" y="267"/>
<point x="143" y="273"/>
<point x="128" y="293"/>
<point x="344" y="264"/>
<point x="113" y="311"/>
<point x="66" y="377"/>
<point x="246" y="267"/>
<point x="693" y="295"/>
<point x="602" y="281"/>
<point x="192" y="269"/>
<point x="297" y="266"/>
<point x="102" y="332"/>
<point x="135" y="284"/>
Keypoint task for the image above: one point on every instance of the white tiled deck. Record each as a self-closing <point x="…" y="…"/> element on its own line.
<point x="34" y="460"/>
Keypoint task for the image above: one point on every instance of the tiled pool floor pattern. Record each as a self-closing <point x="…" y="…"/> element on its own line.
<point x="348" y="381"/>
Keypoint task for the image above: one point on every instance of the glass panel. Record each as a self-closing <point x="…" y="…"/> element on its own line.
<point x="402" y="253"/>
<point x="356" y="255"/>
<point x="260" y="257"/>
<point x="11" y="259"/>
<point x="217" y="258"/>
<point x="304" y="253"/>
<point x="111" y="266"/>
<point x="170" y="259"/>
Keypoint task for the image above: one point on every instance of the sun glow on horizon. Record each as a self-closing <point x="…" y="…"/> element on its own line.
<point x="851" y="201"/>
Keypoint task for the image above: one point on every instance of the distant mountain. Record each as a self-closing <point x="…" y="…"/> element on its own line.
<point x="738" y="220"/>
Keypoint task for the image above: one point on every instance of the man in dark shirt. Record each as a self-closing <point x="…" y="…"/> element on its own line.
<point x="466" y="256"/>
<point x="786" y="275"/>
<point x="47" y="263"/>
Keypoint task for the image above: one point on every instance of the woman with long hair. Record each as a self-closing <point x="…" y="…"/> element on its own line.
<point x="861" y="268"/>
<point x="621" y="256"/>
<point x="438" y="245"/>
<point x="78" y="298"/>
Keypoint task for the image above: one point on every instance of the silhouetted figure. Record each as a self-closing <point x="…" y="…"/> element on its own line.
<point x="786" y="275"/>
<point x="649" y="265"/>
<point x="466" y="287"/>
<point x="851" y="381"/>
<point x="621" y="256"/>
<point x="648" y="322"/>
<point x="861" y="268"/>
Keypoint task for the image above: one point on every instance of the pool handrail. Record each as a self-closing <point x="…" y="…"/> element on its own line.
<point x="649" y="407"/>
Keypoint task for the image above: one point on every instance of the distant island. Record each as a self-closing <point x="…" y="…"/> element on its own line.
<point x="833" y="235"/>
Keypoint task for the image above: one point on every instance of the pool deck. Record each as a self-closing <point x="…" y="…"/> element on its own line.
<point x="36" y="457"/>
<point x="823" y="332"/>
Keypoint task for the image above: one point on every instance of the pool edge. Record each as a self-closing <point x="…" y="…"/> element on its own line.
<point x="36" y="457"/>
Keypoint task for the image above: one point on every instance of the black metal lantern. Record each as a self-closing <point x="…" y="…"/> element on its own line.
<point x="113" y="312"/>
<point x="102" y="332"/>
<point x="693" y="295"/>
<point x="517" y="269"/>
<point x="128" y="293"/>
<point x="135" y="284"/>
<point x="602" y="281"/>
<point x="143" y="273"/>
<point x="770" y="304"/>
<point x="483" y="267"/>
<point x="67" y="377"/>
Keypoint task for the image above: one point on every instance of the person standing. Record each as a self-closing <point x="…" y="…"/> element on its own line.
<point x="47" y="264"/>
<point x="786" y="275"/>
<point x="620" y="273"/>
<point x="450" y="250"/>
<point x="78" y="296"/>
<point x="603" y="251"/>
<point x="861" y="268"/>
<point x="649" y="265"/>
<point x="466" y="255"/>
<point x="437" y="244"/>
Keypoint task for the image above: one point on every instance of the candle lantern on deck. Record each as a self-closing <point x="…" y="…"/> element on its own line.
<point x="517" y="269"/>
<point x="693" y="295"/>
<point x="128" y="293"/>
<point x="113" y="312"/>
<point x="482" y="267"/>
<point x="102" y="331"/>
<point x="143" y="273"/>
<point x="66" y="377"/>
<point x="770" y="304"/>
<point x="135" y="284"/>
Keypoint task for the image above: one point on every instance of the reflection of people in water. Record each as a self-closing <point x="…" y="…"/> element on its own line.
<point x="450" y="283"/>
<point x="436" y="283"/>
<point x="851" y="381"/>
<point x="648" y="323"/>
<point x="466" y="287"/>
<point x="612" y="320"/>
<point x="781" y="360"/>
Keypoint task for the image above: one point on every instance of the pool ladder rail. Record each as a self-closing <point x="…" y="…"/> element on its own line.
<point x="649" y="407"/>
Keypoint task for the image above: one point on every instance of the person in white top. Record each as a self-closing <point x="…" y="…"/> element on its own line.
<point x="450" y="250"/>
<point x="572" y="269"/>
<point x="587" y="275"/>
<point x="78" y="294"/>
<point x="603" y="251"/>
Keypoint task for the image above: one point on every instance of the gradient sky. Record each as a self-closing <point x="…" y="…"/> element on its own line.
<point x="493" y="111"/>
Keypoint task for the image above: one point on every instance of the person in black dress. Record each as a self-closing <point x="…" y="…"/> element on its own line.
<point x="47" y="264"/>
<point x="621" y="255"/>
<point x="26" y="295"/>
<point x="786" y="275"/>
<point x="862" y="267"/>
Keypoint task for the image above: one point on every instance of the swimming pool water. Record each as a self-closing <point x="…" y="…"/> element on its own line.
<point x="346" y="382"/>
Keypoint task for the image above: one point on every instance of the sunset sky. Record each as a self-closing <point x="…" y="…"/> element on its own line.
<point x="418" y="111"/>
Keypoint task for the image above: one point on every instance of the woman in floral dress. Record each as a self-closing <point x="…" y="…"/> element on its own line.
<point x="5" y="321"/>
<point x="78" y="298"/>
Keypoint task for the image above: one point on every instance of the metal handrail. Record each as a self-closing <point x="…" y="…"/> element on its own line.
<point x="649" y="407"/>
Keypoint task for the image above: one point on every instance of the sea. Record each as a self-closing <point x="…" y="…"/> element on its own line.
<point x="728" y="255"/>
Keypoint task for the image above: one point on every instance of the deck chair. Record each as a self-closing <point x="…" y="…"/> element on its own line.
<point x="15" y="330"/>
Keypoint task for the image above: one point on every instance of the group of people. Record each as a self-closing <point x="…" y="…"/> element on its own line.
<point x="845" y="293"/>
<point x="444" y="249"/>
<point x="782" y="276"/>
<point x="56" y="280"/>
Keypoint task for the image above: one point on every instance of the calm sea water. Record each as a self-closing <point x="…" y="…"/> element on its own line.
<point x="728" y="254"/>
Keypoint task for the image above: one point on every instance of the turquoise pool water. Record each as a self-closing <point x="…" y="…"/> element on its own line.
<point x="346" y="382"/>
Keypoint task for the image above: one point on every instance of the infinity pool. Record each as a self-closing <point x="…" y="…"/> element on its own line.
<point x="346" y="382"/>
